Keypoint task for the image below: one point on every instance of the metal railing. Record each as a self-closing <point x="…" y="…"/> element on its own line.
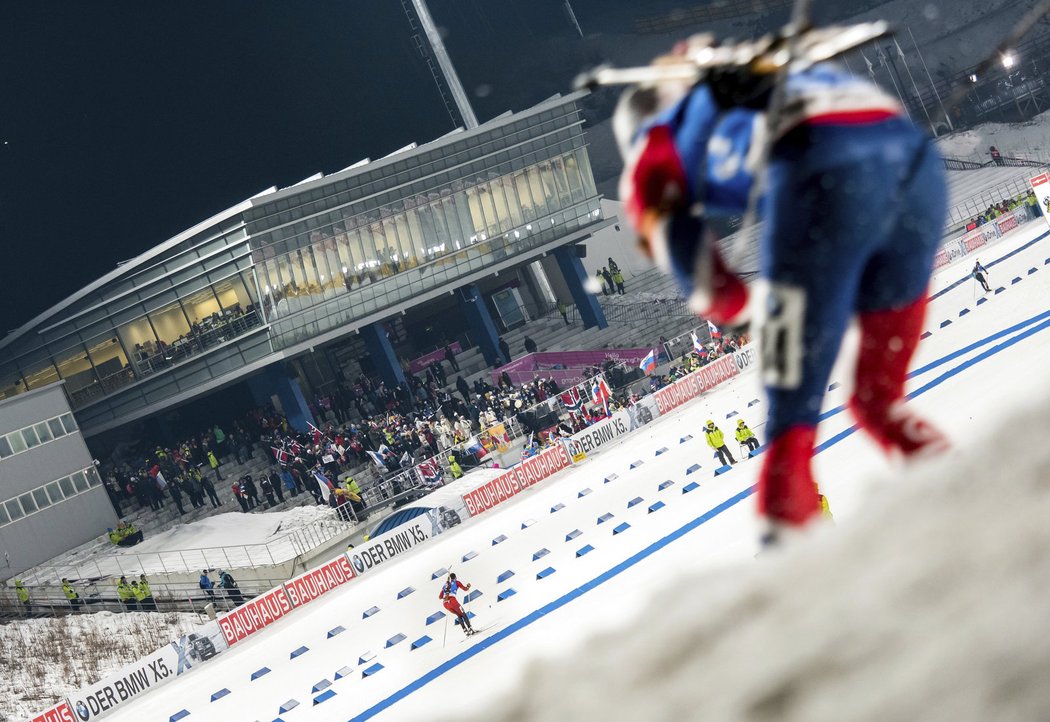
<point x="979" y="202"/>
<point x="284" y="548"/>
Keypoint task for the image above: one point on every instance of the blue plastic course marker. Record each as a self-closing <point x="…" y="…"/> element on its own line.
<point x="335" y="631"/>
<point x="604" y="518"/>
<point x="220" y="694"/>
<point x="689" y="487"/>
<point x="343" y="672"/>
<point x="573" y="534"/>
<point x="753" y="402"/>
<point x="731" y="414"/>
<point x="527" y="523"/>
<point x="545" y="573"/>
<point x="621" y="528"/>
<point x="504" y="576"/>
<point x="259" y="673"/>
<point x="405" y="592"/>
<point x="439" y="573"/>
<point x="656" y="507"/>
<point x="420" y="642"/>
<point x="834" y="385"/>
<point x="636" y="500"/>
<point x="946" y="322"/>
<point x="298" y="652"/>
<point x="982" y="299"/>
<point x="661" y="450"/>
<point x="685" y="438"/>
<point x="692" y="469"/>
<point x="396" y="639"/>
<point x="505" y="594"/>
<point x="329" y="693"/>
<point x="1032" y="270"/>
<point x="366" y="657"/>
<point x="540" y="554"/>
<point x="179" y="715"/>
<point x="323" y="684"/>
<point x="664" y="484"/>
<point x="963" y="312"/>
<point x="926" y="334"/>
<point x="288" y="706"/>
<point x="499" y="540"/>
<point x="557" y="507"/>
<point x="636" y="464"/>
<point x="468" y="556"/>
<point x="472" y="595"/>
<point x="1016" y="280"/>
<point x="722" y="469"/>
<point x="1000" y="290"/>
<point x="435" y="617"/>
<point x="370" y="612"/>
<point x="583" y="493"/>
<point x="611" y="477"/>
<point x="585" y="549"/>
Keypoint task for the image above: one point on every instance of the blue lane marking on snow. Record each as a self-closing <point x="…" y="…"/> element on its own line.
<point x="1027" y="323"/>
<point x="179" y="715"/>
<point x="220" y="694"/>
<point x="648" y="551"/>
<point x="997" y="261"/>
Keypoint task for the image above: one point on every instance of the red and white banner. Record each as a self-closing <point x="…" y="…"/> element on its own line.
<point x="696" y="383"/>
<point x="516" y="480"/>
<point x="254" y="616"/>
<point x="59" y="713"/>
<point x="314" y="584"/>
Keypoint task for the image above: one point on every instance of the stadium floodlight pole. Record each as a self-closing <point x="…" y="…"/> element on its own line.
<point x="459" y="95"/>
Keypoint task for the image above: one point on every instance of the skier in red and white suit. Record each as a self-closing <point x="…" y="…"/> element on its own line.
<point x="854" y="210"/>
<point x="449" y="601"/>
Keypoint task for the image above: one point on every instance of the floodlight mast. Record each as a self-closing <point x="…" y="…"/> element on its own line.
<point x="459" y="96"/>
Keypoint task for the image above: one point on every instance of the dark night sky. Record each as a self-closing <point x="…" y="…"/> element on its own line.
<point x="124" y="123"/>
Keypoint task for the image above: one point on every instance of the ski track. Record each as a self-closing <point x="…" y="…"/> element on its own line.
<point x="710" y="529"/>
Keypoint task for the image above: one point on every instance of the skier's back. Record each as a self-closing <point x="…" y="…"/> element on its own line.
<point x="447" y="595"/>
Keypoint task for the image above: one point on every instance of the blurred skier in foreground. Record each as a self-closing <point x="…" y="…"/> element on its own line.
<point x="854" y="209"/>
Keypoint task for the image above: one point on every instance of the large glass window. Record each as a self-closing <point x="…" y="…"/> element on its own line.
<point x="28" y="505"/>
<point x="30" y="437"/>
<point x="16" y="442"/>
<point x="54" y="492"/>
<point x="201" y="305"/>
<point x="141" y="342"/>
<point x="43" y="432"/>
<point x="41" y="374"/>
<point x="110" y="362"/>
<point x="5" y="447"/>
<point x="69" y="423"/>
<point x="74" y="366"/>
<point x="14" y="510"/>
<point x="40" y="497"/>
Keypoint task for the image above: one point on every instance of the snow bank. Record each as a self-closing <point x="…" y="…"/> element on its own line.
<point x="1029" y="140"/>
<point x="930" y="606"/>
<point x="45" y="659"/>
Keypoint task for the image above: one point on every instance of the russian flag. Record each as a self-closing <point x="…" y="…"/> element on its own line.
<point x="713" y="330"/>
<point x="648" y="364"/>
<point x="698" y="347"/>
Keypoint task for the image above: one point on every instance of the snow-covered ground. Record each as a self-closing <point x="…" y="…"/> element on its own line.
<point x="916" y="604"/>
<point x="42" y="659"/>
<point x="224" y="540"/>
<point x="1029" y="140"/>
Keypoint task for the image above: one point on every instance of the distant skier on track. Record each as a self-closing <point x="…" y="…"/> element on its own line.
<point x="854" y="210"/>
<point x="449" y="601"/>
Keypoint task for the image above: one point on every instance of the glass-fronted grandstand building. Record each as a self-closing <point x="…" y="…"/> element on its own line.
<point x="433" y="237"/>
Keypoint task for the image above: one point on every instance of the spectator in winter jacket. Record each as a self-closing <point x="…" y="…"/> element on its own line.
<point x="71" y="594"/>
<point x="214" y="463"/>
<point x="23" y="595"/>
<point x="716" y="440"/>
<point x="209" y="488"/>
<point x="240" y="495"/>
<point x="267" y="490"/>
<point x="144" y="594"/>
<point x="232" y="591"/>
<point x="206" y="583"/>
<point x="617" y="278"/>
<point x="275" y="482"/>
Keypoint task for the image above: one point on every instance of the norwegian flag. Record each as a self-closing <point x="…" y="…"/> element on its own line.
<point x="713" y="330"/>
<point x="317" y="434"/>
<point x="571" y="399"/>
<point x="296" y="448"/>
<point x="600" y="393"/>
<point x="280" y="455"/>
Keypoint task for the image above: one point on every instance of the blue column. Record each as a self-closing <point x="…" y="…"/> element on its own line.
<point x="383" y="355"/>
<point x="482" y="328"/>
<point x="274" y="380"/>
<point x="572" y="271"/>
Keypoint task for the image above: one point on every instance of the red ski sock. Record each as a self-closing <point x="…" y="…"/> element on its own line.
<point x="888" y="340"/>
<point x="786" y="490"/>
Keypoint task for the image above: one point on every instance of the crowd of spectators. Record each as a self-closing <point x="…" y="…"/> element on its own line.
<point x="1028" y="201"/>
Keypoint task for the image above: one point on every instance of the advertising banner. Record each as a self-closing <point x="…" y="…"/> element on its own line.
<point x="575" y="450"/>
<point x="1041" y="187"/>
<point x="147" y="673"/>
<point x="643" y="411"/>
<point x="59" y="713"/>
<point x="746" y="358"/>
<point x="517" y="479"/>
<point x="593" y="437"/>
<point x="255" y="615"/>
<point x="315" y="583"/>
<point x="696" y="383"/>
<point x="395" y="542"/>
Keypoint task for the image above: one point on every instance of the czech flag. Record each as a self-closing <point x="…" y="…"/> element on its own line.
<point x="713" y="330"/>
<point x="648" y="364"/>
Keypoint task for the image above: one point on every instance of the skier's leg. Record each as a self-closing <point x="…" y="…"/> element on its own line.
<point x="820" y="214"/>
<point x="892" y="300"/>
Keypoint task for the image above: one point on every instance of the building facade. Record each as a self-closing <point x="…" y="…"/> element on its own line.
<point x="288" y="271"/>
<point x="51" y="497"/>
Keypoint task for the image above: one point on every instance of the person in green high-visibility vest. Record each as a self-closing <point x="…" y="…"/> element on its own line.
<point x="454" y="467"/>
<point x="717" y="441"/>
<point x="71" y="594"/>
<point x="23" y="594"/>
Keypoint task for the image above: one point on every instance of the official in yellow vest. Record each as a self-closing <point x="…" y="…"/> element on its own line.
<point x="746" y="436"/>
<point x="717" y="441"/>
<point x="454" y="467"/>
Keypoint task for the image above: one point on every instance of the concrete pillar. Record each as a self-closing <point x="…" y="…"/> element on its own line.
<point x="275" y="381"/>
<point x="572" y="271"/>
<point x="482" y="328"/>
<point x="382" y="354"/>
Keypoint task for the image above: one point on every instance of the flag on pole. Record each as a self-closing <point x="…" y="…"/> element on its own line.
<point x="713" y="329"/>
<point x="280" y="455"/>
<point x="648" y="364"/>
<point x="600" y="393"/>
<point x="698" y="348"/>
<point x="324" y="484"/>
<point x="571" y="399"/>
<point x="429" y="472"/>
<point x="377" y="459"/>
